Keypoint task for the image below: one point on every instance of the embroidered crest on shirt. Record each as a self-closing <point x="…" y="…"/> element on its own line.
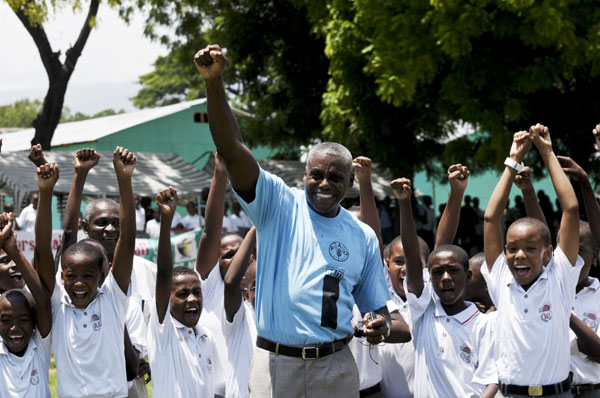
<point x="466" y="353"/>
<point x="338" y="251"/>
<point x="35" y="379"/>
<point x="591" y="320"/>
<point x="545" y="312"/>
<point x="96" y="322"/>
<point x="209" y="363"/>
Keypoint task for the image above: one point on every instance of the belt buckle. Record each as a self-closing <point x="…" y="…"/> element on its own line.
<point x="305" y="350"/>
<point x="535" y="391"/>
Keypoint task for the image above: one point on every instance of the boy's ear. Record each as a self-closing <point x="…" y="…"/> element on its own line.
<point x="547" y="255"/>
<point x="469" y="275"/>
<point x="351" y="180"/>
<point x="85" y="226"/>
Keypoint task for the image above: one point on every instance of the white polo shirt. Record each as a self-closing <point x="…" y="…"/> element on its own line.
<point x="586" y="308"/>
<point x="398" y="360"/>
<point x="452" y="352"/>
<point x="88" y="343"/>
<point x="26" y="376"/>
<point x="182" y="359"/>
<point x="532" y="336"/>
<point x="366" y="356"/>
<point x="240" y="336"/>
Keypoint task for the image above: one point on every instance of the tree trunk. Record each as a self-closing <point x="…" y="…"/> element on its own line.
<point x="46" y="121"/>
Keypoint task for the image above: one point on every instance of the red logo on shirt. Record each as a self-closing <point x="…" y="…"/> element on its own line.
<point x="591" y="320"/>
<point x="34" y="380"/>
<point x="545" y="312"/>
<point x="96" y="322"/>
<point x="466" y="353"/>
<point x="209" y="367"/>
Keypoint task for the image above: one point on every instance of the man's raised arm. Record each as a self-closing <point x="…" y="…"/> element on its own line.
<point x="241" y="164"/>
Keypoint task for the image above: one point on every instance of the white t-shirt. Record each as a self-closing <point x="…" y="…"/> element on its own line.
<point x="182" y="359"/>
<point x="454" y="355"/>
<point x="533" y="325"/>
<point x="229" y="225"/>
<point x="26" y="376"/>
<point x="192" y="222"/>
<point x="366" y="356"/>
<point x="241" y="220"/>
<point x="177" y="219"/>
<point x="240" y="336"/>
<point x="140" y="218"/>
<point x="26" y="219"/>
<point x="143" y="283"/>
<point x="398" y="360"/>
<point x="213" y="296"/>
<point x="153" y="228"/>
<point x="586" y="308"/>
<point x="88" y="343"/>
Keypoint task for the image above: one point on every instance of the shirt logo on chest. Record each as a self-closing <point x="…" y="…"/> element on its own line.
<point x="591" y="320"/>
<point x="466" y="353"/>
<point x="545" y="312"/>
<point x="209" y="363"/>
<point x="96" y="322"/>
<point x="35" y="379"/>
<point x="338" y="251"/>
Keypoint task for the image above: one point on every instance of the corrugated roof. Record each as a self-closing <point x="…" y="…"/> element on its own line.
<point x="292" y="173"/>
<point x="154" y="172"/>
<point x="93" y="129"/>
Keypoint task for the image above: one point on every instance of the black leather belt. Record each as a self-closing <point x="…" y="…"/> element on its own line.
<point x="367" y="392"/>
<point x="584" y="388"/>
<point x="308" y="352"/>
<point x="536" y="391"/>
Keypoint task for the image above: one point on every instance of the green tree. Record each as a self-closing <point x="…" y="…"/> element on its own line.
<point x="33" y="14"/>
<point x="21" y="113"/>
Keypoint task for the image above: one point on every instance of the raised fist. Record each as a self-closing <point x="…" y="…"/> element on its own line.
<point x="36" y="155"/>
<point x="124" y="162"/>
<point x="86" y="159"/>
<point x="210" y="61"/>
<point x="520" y="146"/>
<point x="167" y="202"/>
<point x="458" y="176"/>
<point x="46" y="176"/>
<point x="402" y="188"/>
<point x="541" y="137"/>
<point x="362" y="168"/>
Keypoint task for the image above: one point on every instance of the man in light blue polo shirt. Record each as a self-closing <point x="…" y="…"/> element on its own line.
<point x="314" y="261"/>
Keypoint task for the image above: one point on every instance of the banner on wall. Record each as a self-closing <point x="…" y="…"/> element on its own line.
<point x="184" y="246"/>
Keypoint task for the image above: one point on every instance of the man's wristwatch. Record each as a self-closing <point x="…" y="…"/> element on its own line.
<point x="514" y="165"/>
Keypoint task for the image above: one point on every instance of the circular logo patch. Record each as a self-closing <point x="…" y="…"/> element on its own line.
<point x="338" y="251"/>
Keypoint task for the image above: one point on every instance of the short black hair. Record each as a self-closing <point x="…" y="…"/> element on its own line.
<point x="20" y="293"/>
<point x="423" y="247"/>
<point x="537" y="224"/>
<point x="86" y="249"/>
<point x="228" y="234"/>
<point x="180" y="271"/>
<point x="463" y="257"/>
<point x="478" y="259"/>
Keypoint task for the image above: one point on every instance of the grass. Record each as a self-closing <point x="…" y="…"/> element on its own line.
<point x="53" y="386"/>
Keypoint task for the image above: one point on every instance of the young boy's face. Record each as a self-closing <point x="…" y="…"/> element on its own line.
<point x="526" y="253"/>
<point x="248" y="285"/>
<point x="10" y="277"/>
<point x="448" y="276"/>
<point x="16" y="323"/>
<point x="81" y="278"/>
<point x="397" y="268"/>
<point x="230" y="244"/>
<point x="186" y="299"/>
<point x="588" y="252"/>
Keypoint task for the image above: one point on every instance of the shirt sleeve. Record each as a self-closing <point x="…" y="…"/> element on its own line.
<point x="486" y="372"/>
<point x="136" y="327"/>
<point x="209" y="285"/>
<point x="568" y="274"/>
<point x="269" y="193"/>
<point x="114" y="293"/>
<point x="371" y="292"/>
<point x="418" y="305"/>
<point x="238" y="319"/>
<point x="497" y="277"/>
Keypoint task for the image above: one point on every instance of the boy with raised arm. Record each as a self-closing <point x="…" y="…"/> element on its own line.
<point x="181" y="352"/>
<point x="88" y="319"/>
<point x="532" y="285"/>
<point x="452" y="338"/>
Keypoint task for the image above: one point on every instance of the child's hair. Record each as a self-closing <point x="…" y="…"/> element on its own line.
<point x="20" y="292"/>
<point x="181" y="271"/>
<point x="463" y="257"/>
<point x="98" y="245"/>
<point x="534" y="223"/>
<point x="228" y="234"/>
<point x="423" y="247"/>
<point x="478" y="259"/>
<point x="584" y="230"/>
<point x="86" y="249"/>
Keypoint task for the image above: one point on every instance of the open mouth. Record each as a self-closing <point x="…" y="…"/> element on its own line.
<point x="521" y="271"/>
<point x="17" y="276"/>
<point x="191" y="312"/>
<point x="447" y="292"/>
<point x="16" y="338"/>
<point x="80" y="294"/>
<point x="324" y="196"/>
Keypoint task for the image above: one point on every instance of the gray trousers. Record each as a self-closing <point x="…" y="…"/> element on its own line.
<point x="280" y="376"/>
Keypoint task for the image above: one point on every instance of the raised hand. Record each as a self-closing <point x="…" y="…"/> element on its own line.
<point x="36" y="155"/>
<point x="520" y="146"/>
<point x="210" y="61"/>
<point x="523" y="179"/>
<point x="402" y="188"/>
<point x="596" y="132"/>
<point x="571" y="168"/>
<point x="220" y="167"/>
<point x="167" y="202"/>
<point x="458" y="177"/>
<point x="86" y="159"/>
<point x="362" y="168"/>
<point x="6" y="223"/>
<point x="46" y="176"/>
<point x="541" y="137"/>
<point x="124" y="162"/>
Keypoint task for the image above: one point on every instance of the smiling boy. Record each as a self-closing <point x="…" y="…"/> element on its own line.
<point x="532" y="285"/>
<point x="452" y="338"/>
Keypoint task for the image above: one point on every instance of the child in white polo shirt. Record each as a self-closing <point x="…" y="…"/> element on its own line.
<point x="181" y="353"/>
<point x="24" y="328"/>
<point x="88" y="321"/>
<point x="532" y="286"/>
<point x="452" y="338"/>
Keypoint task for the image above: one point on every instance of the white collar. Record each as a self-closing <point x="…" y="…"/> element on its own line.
<point x="462" y="317"/>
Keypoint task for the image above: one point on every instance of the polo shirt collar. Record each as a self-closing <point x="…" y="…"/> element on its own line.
<point x="595" y="285"/>
<point x="31" y="347"/>
<point x="462" y="317"/>
<point x="543" y="276"/>
<point x="198" y="331"/>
